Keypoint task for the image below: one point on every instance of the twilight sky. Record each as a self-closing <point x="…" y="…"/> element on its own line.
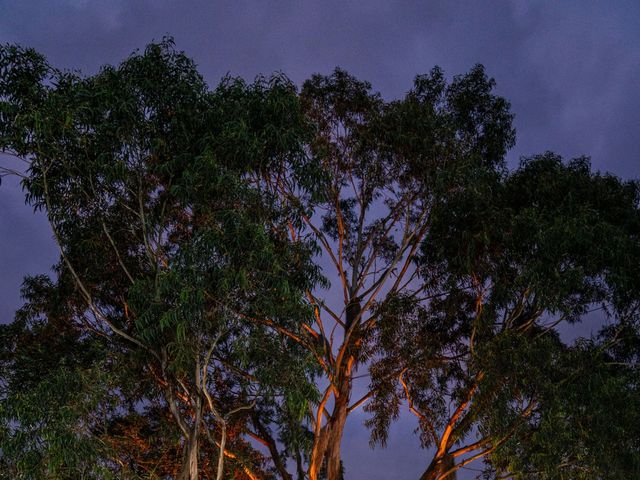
<point x="571" y="70"/>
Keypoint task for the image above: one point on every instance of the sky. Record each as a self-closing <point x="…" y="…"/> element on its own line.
<point x="571" y="70"/>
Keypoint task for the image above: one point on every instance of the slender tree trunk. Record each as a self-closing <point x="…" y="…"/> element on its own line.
<point x="339" y="418"/>
<point x="299" y="466"/>
<point x="190" y="466"/>
<point x="189" y="469"/>
<point x="223" y="443"/>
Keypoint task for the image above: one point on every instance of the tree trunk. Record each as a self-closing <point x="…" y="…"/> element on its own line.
<point x="330" y="440"/>
<point x="338" y="420"/>
<point x="190" y="466"/>
<point x="438" y="467"/>
<point x="341" y="405"/>
<point x="223" y="442"/>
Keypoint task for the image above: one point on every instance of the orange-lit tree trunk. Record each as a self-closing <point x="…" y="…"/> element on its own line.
<point x="328" y="443"/>
<point x="339" y="418"/>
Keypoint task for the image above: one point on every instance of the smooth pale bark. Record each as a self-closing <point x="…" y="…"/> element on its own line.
<point x="190" y="466"/>
<point x="190" y="469"/>
<point x="223" y="442"/>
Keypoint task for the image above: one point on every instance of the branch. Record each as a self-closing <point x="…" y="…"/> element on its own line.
<point x="413" y="410"/>
<point x="466" y="462"/>
<point x="315" y="453"/>
<point x="270" y="443"/>
<point x="85" y="293"/>
<point x="288" y="333"/>
<point x="360" y="401"/>
<point x="115" y="249"/>
<point x="444" y="443"/>
<point x="481" y="443"/>
<point x="248" y="472"/>
<point x="5" y="172"/>
<point x="341" y="272"/>
<point x="323" y="241"/>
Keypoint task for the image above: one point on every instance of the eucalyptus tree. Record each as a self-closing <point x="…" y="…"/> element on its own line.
<point x="196" y="227"/>
<point x="445" y="263"/>
<point x="165" y="250"/>
<point x="52" y="378"/>
<point x="382" y="169"/>
<point x="508" y="265"/>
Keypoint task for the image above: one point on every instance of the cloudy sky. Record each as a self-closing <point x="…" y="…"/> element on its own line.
<point x="571" y="70"/>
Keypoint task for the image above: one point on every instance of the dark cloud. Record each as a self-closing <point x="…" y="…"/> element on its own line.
<point x="570" y="70"/>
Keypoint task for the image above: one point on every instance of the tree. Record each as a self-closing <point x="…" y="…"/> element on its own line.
<point x="445" y="261"/>
<point x="196" y="227"/>
<point x="56" y="384"/>
<point x="386" y="168"/>
<point x="520" y="258"/>
<point x="165" y="250"/>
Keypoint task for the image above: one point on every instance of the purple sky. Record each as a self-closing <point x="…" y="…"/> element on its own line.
<point x="570" y="69"/>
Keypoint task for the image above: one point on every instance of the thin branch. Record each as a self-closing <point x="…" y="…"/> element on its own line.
<point x="341" y="272"/>
<point x="466" y="462"/>
<point x="419" y="415"/>
<point x="360" y="401"/>
<point x="6" y="172"/>
<point x="115" y="249"/>
<point x="248" y="472"/>
<point x="85" y="293"/>
<point x="445" y="440"/>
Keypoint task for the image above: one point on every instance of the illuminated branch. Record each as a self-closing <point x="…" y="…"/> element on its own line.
<point x="317" y="438"/>
<point x="115" y="249"/>
<point x="444" y="443"/>
<point x="361" y="400"/>
<point x="486" y="441"/>
<point x="419" y="415"/>
<point x="229" y="454"/>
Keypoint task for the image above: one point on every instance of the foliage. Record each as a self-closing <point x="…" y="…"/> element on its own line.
<point x="505" y="266"/>
<point x="190" y="316"/>
<point x="165" y="249"/>
<point x="56" y="394"/>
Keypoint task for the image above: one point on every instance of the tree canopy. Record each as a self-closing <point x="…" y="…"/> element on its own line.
<point x="234" y="260"/>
